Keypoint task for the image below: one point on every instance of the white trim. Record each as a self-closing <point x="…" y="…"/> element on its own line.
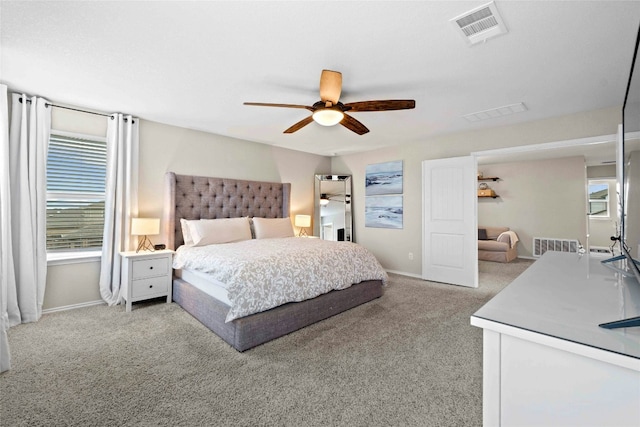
<point x="76" y="135"/>
<point x="404" y="273"/>
<point x="592" y="140"/>
<point x="73" y="306"/>
<point x="74" y="257"/>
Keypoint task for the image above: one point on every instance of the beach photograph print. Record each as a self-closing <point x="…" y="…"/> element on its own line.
<point x="383" y="212"/>
<point x="383" y="178"/>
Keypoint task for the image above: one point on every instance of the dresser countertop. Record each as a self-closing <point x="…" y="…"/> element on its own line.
<point x="566" y="296"/>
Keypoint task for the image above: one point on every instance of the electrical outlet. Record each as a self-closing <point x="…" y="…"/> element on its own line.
<point x="411" y="255"/>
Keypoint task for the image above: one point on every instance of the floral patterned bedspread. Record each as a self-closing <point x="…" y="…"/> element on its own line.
<point x="264" y="273"/>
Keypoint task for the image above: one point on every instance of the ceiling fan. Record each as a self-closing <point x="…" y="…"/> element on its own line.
<point x="325" y="198"/>
<point x="329" y="111"/>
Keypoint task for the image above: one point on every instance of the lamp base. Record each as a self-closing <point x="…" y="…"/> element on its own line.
<point x="145" y="244"/>
<point x="303" y="232"/>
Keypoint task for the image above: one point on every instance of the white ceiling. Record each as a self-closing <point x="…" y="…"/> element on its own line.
<point x="193" y="64"/>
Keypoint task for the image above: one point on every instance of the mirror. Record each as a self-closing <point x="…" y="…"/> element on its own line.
<point x="631" y="159"/>
<point x="332" y="208"/>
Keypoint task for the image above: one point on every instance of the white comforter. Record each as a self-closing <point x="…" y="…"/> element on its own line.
<point x="264" y="273"/>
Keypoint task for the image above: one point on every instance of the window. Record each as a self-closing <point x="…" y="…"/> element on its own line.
<point x="598" y="199"/>
<point x="76" y="180"/>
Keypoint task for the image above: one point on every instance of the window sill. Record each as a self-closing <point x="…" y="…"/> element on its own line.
<point x="60" y="258"/>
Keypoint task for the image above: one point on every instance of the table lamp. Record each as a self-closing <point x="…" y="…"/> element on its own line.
<point x="145" y="227"/>
<point x="302" y="222"/>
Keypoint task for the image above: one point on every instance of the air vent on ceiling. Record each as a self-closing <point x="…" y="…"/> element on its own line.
<point x="480" y="24"/>
<point x="496" y="112"/>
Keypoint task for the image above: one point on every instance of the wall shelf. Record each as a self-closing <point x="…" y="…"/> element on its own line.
<point x="489" y="192"/>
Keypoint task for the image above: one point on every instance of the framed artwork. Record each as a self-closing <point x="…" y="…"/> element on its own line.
<point x="383" y="211"/>
<point x="383" y="178"/>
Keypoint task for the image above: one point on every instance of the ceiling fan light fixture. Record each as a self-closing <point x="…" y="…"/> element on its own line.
<point x="324" y="201"/>
<point x="328" y="116"/>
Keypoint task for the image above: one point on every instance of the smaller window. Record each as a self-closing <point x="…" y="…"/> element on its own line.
<point x="598" y="199"/>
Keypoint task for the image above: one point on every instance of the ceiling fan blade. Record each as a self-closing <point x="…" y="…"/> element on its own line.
<point x="392" y="104"/>
<point x="353" y="125"/>
<point x="330" y="86"/>
<point x="302" y="123"/>
<point x="264" y="104"/>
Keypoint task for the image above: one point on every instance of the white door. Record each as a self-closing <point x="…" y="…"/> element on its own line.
<point x="450" y="235"/>
<point x="327" y="232"/>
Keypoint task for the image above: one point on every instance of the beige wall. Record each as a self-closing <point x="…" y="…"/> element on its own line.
<point x="168" y="148"/>
<point x="165" y="148"/>
<point x="543" y="198"/>
<point x="393" y="246"/>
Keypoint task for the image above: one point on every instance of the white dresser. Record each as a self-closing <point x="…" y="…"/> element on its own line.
<point x="546" y="362"/>
<point x="146" y="275"/>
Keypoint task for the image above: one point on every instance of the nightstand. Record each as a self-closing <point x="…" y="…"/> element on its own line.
<point x="146" y="275"/>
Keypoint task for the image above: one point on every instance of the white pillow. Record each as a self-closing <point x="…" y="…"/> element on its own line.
<point x="267" y="228"/>
<point x="186" y="231"/>
<point x="223" y="230"/>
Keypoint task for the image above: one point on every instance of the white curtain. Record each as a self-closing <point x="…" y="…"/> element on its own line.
<point x="23" y="208"/>
<point x="5" y="229"/>
<point x="121" y="202"/>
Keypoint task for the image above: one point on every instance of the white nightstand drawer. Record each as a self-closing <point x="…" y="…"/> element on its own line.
<point x="149" y="267"/>
<point x="143" y="287"/>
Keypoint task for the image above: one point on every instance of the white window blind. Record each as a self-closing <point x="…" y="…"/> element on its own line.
<point x="76" y="179"/>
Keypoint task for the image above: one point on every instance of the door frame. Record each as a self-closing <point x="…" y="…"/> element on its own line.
<point x="569" y="143"/>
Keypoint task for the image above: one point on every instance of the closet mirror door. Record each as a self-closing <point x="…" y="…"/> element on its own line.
<point x="333" y="208"/>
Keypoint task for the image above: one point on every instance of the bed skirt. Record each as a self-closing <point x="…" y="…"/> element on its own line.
<point x="250" y="331"/>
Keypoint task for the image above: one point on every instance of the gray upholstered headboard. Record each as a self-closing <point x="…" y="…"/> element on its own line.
<point x="199" y="197"/>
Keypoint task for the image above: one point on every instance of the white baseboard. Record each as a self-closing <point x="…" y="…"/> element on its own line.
<point x="73" y="306"/>
<point x="402" y="273"/>
<point x="418" y="276"/>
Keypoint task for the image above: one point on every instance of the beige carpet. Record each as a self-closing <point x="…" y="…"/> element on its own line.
<point x="408" y="358"/>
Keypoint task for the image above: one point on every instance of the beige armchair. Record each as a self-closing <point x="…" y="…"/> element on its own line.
<point x="499" y="245"/>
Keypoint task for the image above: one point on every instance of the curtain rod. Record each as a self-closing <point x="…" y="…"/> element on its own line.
<point x="48" y="104"/>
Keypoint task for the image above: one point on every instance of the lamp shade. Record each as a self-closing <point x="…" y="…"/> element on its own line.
<point x="303" y="221"/>
<point x="145" y="226"/>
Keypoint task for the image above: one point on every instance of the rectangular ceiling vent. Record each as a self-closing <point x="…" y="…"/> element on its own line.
<point x="496" y="112"/>
<point x="480" y="24"/>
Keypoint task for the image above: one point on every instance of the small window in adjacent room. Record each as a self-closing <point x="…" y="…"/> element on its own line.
<point x="598" y="199"/>
<point x="76" y="181"/>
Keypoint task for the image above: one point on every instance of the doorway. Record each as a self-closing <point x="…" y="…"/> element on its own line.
<point x="327" y="232"/>
<point x="543" y="188"/>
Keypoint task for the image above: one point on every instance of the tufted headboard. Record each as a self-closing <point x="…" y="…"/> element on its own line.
<point x="199" y="197"/>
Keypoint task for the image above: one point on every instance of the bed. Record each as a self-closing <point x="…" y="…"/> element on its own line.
<point x="193" y="198"/>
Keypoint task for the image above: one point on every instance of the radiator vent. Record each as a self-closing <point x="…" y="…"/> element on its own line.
<point x="480" y="24"/>
<point x="544" y="244"/>
<point x="600" y="250"/>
